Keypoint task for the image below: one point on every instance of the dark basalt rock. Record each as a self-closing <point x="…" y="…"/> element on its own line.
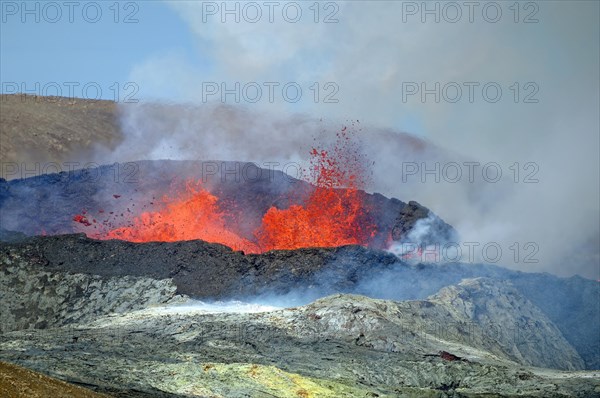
<point x="201" y="269"/>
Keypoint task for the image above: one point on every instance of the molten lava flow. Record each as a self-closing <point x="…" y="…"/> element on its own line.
<point x="332" y="216"/>
<point x="193" y="215"/>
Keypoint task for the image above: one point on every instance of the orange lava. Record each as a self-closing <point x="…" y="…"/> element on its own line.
<point x="192" y="215"/>
<point x="333" y="215"/>
<point x="330" y="218"/>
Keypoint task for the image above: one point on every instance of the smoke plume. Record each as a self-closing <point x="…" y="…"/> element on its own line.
<point x="546" y="200"/>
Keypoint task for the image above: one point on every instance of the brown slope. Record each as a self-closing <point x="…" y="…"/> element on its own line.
<point x="17" y="382"/>
<point x="55" y="129"/>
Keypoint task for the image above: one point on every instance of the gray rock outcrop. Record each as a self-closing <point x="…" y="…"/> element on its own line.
<point x="34" y="298"/>
<point x="339" y="346"/>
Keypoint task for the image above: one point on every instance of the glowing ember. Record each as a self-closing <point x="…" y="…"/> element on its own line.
<point x="82" y="220"/>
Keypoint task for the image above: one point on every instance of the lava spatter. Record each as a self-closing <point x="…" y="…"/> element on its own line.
<point x="333" y="215"/>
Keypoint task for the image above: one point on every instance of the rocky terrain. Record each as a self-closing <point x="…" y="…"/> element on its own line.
<point x="325" y="349"/>
<point x="211" y="271"/>
<point x="34" y="297"/>
<point x="123" y="319"/>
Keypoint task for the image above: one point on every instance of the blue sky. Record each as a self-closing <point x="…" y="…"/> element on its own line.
<point x="80" y="51"/>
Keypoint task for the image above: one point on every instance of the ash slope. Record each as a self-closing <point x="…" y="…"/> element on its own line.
<point x="548" y="305"/>
<point x="55" y="129"/>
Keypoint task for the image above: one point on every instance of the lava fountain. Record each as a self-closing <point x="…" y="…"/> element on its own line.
<point x="334" y="214"/>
